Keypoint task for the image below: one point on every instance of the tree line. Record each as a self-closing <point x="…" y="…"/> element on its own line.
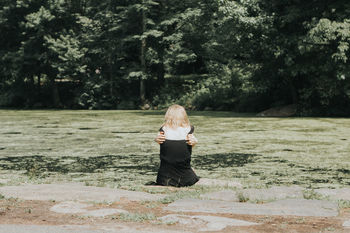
<point x="244" y="55"/>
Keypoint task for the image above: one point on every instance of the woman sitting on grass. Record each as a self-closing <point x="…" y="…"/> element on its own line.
<point x="176" y="140"/>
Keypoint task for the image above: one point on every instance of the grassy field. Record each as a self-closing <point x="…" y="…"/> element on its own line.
<point x="116" y="148"/>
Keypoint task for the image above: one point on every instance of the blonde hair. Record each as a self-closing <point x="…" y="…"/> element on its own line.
<point x="175" y="117"/>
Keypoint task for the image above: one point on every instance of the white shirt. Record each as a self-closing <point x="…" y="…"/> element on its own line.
<point x="179" y="133"/>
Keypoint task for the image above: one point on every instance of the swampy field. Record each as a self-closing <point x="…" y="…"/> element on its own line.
<point x="116" y="148"/>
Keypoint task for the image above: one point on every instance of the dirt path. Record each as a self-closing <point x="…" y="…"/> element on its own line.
<point x="14" y="211"/>
<point x="73" y="208"/>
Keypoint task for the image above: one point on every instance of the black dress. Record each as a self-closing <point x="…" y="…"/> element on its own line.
<point x="175" y="163"/>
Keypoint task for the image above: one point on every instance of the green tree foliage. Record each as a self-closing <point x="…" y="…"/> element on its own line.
<point x="245" y="55"/>
<point x="330" y="83"/>
<point x="308" y="47"/>
<point x="47" y="49"/>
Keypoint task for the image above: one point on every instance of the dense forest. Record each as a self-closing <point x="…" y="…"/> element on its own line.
<point x="244" y="55"/>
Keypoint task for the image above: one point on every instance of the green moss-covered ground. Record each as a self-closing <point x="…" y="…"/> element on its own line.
<point x="116" y="148"/>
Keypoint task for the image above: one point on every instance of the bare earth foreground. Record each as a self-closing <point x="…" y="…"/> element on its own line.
<point x="73" y="207"/>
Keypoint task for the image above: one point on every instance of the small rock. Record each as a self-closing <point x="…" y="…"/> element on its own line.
<point x="145" y="107"/>
<point x="181" y="219"/>
<point x="203" y="222"/>
<point x="346" y="223"/>
<point x="335" y="194"/>
<point x="282" y="111"/>
<point x="104" y="212"/>
<point x="4" y="181"/>
<point x="219" y="223"/>
<point x="69" y="207"/>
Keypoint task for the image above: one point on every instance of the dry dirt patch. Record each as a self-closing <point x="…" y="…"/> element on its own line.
<point x="14" y="211"/>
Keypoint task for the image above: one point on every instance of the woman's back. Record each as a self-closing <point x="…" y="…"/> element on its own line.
<point x="176" y="141"/>
<point x="175" y="148"/>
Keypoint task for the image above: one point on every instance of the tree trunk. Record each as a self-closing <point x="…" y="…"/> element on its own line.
<point x="293" y="91"/>
<point x="160" y="75"/>
<point x="39" y="81"/>
<point x="143" y="62"/>
<point x="39" y="87"/>
<point x="55" y="94"/>
<point x="110" y="59"/>
<point x="110" y="75"/>
<point x="32" y="84"/>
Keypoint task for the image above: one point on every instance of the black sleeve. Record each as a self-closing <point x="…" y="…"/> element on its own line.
<point x="161" y="129"/>
<point x="192" y="129"/>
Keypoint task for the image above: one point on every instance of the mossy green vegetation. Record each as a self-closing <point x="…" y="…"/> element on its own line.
<point x="116" y="148"/>
<point x="137" y="217"/>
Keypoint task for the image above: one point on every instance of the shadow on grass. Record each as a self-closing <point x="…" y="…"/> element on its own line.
<point x="141" y="164"/>
<point x="35" y="165"/>
<point x="125" y="167"/>
<point x="211" y="162"/>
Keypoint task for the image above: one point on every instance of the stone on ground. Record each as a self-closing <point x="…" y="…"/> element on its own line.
<point x="74" y="191"/>
<point x="221" y="183"/>
<point x="105" y="228"/>
<point x="273" y="193"/>
<point x="4" y="181"/>
<point x="45" y="229"/>
<point x="296" y="207"/>
<point x="224" y="195"/>
<point x="104" y="212"/>
<point x="346" y="223"/>
<point x="69" y="207"/>
<point x="335" y="194"/>
<point x="204" y="223"/>
<point x="282" y="111"/>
